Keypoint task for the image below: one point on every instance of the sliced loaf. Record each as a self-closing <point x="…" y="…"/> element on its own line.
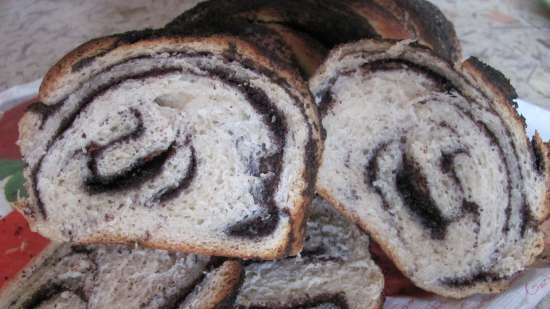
<point x="433" y="161"/>
<point x="100" y="277"/>
<point x="196" y="144"/>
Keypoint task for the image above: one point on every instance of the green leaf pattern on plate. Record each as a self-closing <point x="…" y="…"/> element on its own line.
<point x="11" y="174"/>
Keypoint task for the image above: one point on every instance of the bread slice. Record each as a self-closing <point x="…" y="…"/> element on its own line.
<point x="196" y="144"/>
<point x="433" y="161"/>
<point x="335" y="270"/>
<point x="333" y="22"/>
<point x="99" y="276"/>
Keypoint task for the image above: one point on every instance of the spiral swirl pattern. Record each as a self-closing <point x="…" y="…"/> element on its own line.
<point x="96" y="276"/>
<point x="149" y="147"/>
<point x="427" y="161"/>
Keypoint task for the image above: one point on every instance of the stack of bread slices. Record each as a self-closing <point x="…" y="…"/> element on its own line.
<point x="242" y="156"/>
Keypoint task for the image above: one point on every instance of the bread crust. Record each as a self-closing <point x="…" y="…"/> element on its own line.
<point x="498" y="88"/>
<point x="227" y="280"/>
<point x="285" y="247"/>
<point x="89" y="49"/>
<point x="430" y="24"/>
<point x="494" y="85"/>
<point x="334" y="22"/>
<point x="159" y="41"/>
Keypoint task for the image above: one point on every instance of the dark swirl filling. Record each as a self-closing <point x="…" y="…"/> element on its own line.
<point x="149" y="167"/>
<point x="141" y="170"/>
<point x="67" y="122"/>
<point x="332" y="301"/>
<point x="371" y="172"/>
<point x="479" y="276"/>
<point x="329" y="243"/>
<point x="49" y="291"/>
<point x="410" y="181"/>
<point x="52" y="288"/>
<point x="171" y="192"/>
<point x="264" y="223"/>
<point x="413" y="187"/>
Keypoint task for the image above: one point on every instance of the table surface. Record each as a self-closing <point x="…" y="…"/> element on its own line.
<point x="511" y="35"/>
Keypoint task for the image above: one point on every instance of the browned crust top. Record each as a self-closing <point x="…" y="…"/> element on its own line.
<point x="334" y="22"/>
<point x="433" y="28"/>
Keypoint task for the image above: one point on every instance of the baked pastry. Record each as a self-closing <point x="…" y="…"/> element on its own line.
<point x="333" y="22"/>
<point x="98" y="276"/>
<point x="292" y="49"/>
<point x="433" y="161"/>
<point x="335" y="270"/>
<point x="201" y="145"/>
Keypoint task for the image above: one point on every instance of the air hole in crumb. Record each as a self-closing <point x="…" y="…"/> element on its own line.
<point x="173" y="99"/>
